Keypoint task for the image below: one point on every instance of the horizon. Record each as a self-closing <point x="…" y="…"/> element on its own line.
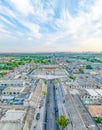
<point x="50" y="26"/>
<point x="84" y="52"/>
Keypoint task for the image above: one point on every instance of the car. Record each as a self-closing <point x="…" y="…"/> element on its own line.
<point x="56" y="109"/>
<point x="37" y="116"/>
<point x="48" y="101"/>
<point x="63" y="101"/>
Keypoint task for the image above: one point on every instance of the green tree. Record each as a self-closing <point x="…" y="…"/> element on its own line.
<point x="81" y="70"/>
<point x="89" y="67"/>
<point x="44" y="93"/>
<point x="63" y="67"/>
<point x="2" y="74"/>
<point x="55" y="81"/>
<point x="99" y="120"/>
<point x="45" y="81"/>
<point x="72" y="77"/>
<point x="67" y="61"/>
<point x="62" y="122"/>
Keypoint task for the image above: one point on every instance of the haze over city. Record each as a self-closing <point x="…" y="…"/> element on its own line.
<point x="47" y="26"/>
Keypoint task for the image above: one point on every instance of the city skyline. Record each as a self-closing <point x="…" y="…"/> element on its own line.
<point x="48" y="26"/>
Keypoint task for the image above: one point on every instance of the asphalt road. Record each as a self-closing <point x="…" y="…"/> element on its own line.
<point x="61" y="107"/>
<point x="50" y="118"/>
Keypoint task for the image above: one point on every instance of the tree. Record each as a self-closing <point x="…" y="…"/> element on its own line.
<point x="72" y="77"/>
<point x="2" y="74"/>
<point x="67" y="61"/>
<point x="63" y="67"/>
<point x="45" y="81"/>
<point x="44" y="93"/>
<point x="62" y="122"/>
<point x="81" y="70"/>
<point x="99" y="120"/>
<point x="89" y="67"/>
<point x="55" y="81"/>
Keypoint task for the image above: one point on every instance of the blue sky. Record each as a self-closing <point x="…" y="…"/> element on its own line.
<point x="50" y="25"/>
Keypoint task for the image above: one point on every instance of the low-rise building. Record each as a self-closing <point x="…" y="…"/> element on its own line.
<point x="12" y="90"/>
<point x="12" y="120"/>
<point x="95" y="110"/>
<point x="94" y="93"/>
<point x="9" y="83"/>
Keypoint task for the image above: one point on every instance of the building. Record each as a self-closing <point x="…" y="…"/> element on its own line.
<point x="10" y="83"/>
<point x="73" y="84"/>
<point x="7" y="98"/>
<point x="95" y="110"/>
<point x="12" y="90"/>
<point x="13" y="83"/>
<point x="12" y="120"/>
<point x="94" y="93"/>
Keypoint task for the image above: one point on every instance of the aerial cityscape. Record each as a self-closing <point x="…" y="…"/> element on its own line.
<point x="37" y="90"/>
<point x="50" y="65"/>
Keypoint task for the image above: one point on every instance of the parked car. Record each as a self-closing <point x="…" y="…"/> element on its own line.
<point x="56" y="109"/>
<point x="37" y="116"/>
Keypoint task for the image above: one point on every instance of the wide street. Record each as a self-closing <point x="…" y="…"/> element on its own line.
<point x="50" y="117"/>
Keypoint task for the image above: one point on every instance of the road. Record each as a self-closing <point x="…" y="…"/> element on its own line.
<point x="61" y="106"/>
<point x="50" y="118"/>
<point x="30" y="72"/>
<point x="39" y="123"/>
<point x="88" y="120"/>
<point x="74" y="114"/>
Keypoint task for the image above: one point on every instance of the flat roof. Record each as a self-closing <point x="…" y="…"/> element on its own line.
<point x="7" y="97"/>
<point x="11" y="81"/>
<point x="12" y="120"/>
<point x="92" y="92"/>
<point x="10" y="126"/>
<point x="12" y="89"/>
<point x="95" y="110"/>
<point x="99" y="91"/>
<point x="13" y="115"/>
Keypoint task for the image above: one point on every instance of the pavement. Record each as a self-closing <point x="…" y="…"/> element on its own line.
<point x="88" y="120"/>
<point x="39" y="123"/>
<point x="76" y="120"/>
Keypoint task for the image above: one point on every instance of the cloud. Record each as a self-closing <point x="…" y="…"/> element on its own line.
<point x="23" y="6"/>
<point x="52" y="24"/>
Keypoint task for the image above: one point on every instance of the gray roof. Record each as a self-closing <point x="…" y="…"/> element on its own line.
<point x="13" y="115"/>
<point x="7" y="97"/>
<point x="10" y="126"/>
<point x="11" y="81"/>
<point x="12" y="120"/>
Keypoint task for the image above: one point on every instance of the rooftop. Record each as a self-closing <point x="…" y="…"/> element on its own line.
<point x="12" y="120"/>
<point x="95" y="110"/>
<point x="13" y="115"/>
<point x="11" y="81"/>
<point x="10" y="126"/>
<point x="12" y="89"/>
<point x="94" y="92"/>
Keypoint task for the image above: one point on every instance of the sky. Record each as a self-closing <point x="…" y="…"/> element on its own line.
<point x="50" y="25"/>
